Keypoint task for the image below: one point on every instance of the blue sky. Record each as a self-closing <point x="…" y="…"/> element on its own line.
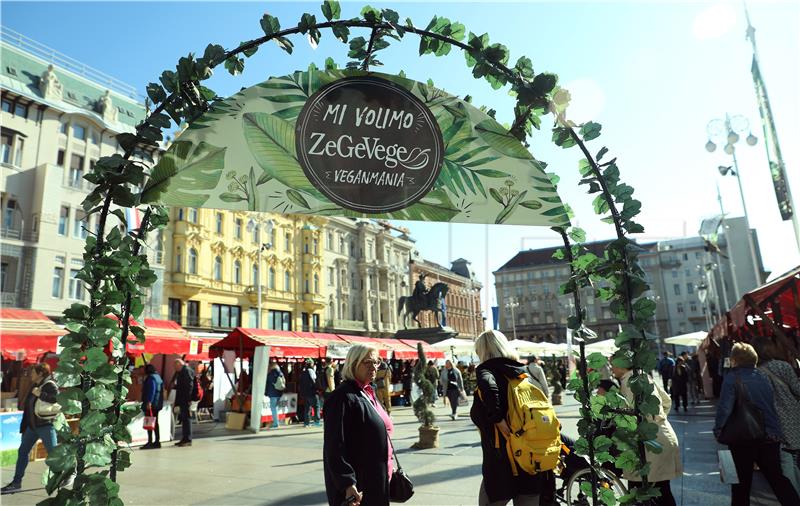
<point x="652" y="73"/>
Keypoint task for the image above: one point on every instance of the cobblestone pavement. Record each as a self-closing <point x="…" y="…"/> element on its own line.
<point x="284" y="466"/>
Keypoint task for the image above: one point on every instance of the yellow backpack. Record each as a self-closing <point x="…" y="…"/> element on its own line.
<point x="535" y="441"/>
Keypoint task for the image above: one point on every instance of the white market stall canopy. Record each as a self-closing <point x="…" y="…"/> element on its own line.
<point x="691" y="339"/>
<point x="456" y="346"/>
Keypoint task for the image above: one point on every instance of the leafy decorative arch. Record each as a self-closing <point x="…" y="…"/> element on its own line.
<point x="117" y="272"/>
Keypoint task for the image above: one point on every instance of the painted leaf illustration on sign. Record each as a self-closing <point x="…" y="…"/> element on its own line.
<point x="498" y="138"/>
<point x="271" y="142"/>
<point x="185" y="174"/>
<point x="289" y="94"/>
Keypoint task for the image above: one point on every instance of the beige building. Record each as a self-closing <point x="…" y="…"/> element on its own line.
<point x="366" y="271"/>
<point x="213" y="271"/>
<point x="57" y="120"/>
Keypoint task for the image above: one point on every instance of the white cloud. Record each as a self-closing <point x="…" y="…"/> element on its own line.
<point x="714" y="21"/>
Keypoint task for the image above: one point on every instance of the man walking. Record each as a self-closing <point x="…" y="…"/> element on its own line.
<point x="184" y="384"/>
<point x="383" y="381"/>
<point x="308" y="389"/>
<point x="537" y="376"/>
<point x="33" y="427"/>
<point x="665" y="368"/>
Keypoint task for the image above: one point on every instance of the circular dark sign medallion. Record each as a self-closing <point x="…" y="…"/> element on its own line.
<point x="369" y="145"/>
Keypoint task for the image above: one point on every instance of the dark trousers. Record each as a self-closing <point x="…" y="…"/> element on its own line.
<point x="312" y="403"/>
<point x="48" y="436"/>
<point x="767" y="456"/>
<point x="157" y="431"/>
<point x="665" y="381"/>
<point x="676" y="399"/>
<point x="452" y="396"/>
<point x="186" y="423"/>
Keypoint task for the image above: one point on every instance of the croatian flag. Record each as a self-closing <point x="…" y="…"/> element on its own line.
<point x="134" y="218"/>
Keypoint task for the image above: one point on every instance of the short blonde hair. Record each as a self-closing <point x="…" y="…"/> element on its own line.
<point x="356" y="355"/>
<point x="494" y="344"/>
<point x="744" y="355"/>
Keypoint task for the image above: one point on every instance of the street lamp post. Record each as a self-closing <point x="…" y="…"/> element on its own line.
<point x="258" y="222"/>
<point x="512" y="304"/>
<point x="655" y="324"/>
<point x="702" y="292"/>
<point x="731" y="129"/>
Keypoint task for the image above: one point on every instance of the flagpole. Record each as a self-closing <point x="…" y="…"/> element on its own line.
<point x="777" y="167"/>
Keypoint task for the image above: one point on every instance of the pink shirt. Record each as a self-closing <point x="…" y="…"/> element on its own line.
<point x="387" y="421"/>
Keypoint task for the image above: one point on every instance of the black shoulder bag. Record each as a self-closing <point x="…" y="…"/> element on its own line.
<point x="400" y="487"/>
<point x="745" y="423"/>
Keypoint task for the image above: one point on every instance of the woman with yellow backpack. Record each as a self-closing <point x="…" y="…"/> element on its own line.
<point x="519" y="430"/>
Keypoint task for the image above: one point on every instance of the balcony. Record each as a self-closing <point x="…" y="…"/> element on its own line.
<point x="268" y="294"/>
<point x="187" y="285"/>
<point x="670" y="262"/>
<point x="345" y="325"/>
<point x="202" y="323"/>
<point x="17" y="234"/>
<point x="8" y="299"/>
<point x="313" y="298"/>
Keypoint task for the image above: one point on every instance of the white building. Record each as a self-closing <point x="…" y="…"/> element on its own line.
<point x="58" y="117"/>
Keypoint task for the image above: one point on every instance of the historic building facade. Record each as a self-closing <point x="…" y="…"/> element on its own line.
<point x="366" y="270"/>
<point x="217" y="260"/>
<point x="57" y="119"/>
<point x="463" y="300"/>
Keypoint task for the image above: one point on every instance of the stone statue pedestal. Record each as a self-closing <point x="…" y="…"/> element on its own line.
<point x="429" y="335"/>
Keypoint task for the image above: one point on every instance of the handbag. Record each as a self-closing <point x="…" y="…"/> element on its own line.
<point x="745" y="423"/>
<point x="46" y="410"/>
<point x="149" y="421"/>
<point x="462" y="398"/>
<point x="400" y="486"/>
<point x="280" y="383"/>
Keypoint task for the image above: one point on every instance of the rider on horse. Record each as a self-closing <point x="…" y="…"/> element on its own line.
<point x="421" y="290"/>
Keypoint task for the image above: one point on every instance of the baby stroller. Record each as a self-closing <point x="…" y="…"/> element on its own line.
<point x="576" y="472"/>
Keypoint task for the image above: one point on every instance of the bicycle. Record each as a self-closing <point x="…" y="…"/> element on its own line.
<point x="572" y="495"/>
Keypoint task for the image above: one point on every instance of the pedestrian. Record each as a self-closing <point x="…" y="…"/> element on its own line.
<point x="680" y="384"/>
<point x="471" y="379"/>
<point x="432" y="374"/>
<point x="744" y="385"/>
<point x="152" y="402"/>
<point x="665" y="465"/>
<point x="308" y="390"/>
<point x="34" y="427"/>
<point x="786" y="387"/>
<point x="453" y="385"/>
<point x="357" y="450"/>
<point x="383" y="383"/>
<point x="537" y="376"/>
<point x="665" y="368"/>
<point x="276" y="384"/>
<point x="562" y="370"/>
<point x="408" y="379"/>
<point x="184" y="384"/>
<point x="694" y="378"/>
<point x="330" y="383"/>
<point x="498" y="363"/>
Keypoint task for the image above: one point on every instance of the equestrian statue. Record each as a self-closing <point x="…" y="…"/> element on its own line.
<point x="424" y="300"/>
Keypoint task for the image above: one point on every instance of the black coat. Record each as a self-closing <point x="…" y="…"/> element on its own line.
<point x="491" y="407"/>
<point x="355" y="448"/>
<point x="48" y="391"/>
<point x="183" y="386"/>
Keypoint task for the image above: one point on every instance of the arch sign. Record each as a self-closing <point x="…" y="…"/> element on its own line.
<point x="353" y="143"/>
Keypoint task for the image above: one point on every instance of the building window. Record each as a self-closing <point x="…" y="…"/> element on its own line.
<point x="693" y="306"/>
<point x="287" y="281"/>
<point x="677" y="288"/>
<point x="75" y="285"/>
<point x="237" y="228"/>
<point x="175" y="310"/>
<point x="316" y="283"/>
<point x="279" y="320"/>
<point x="674" y="274"/>
<point x="237" y="272"/>
<point x="680" y="307"/>
<point x="305" y="246"/>
<point x="192" y="215"/>
<point x="60" y="157"/>
<point x="288" y="243"/>
<point x="192" y="261"/>
<point x="8" y="106"/>
<point x="304" y="319"/>
<point x="8" y="141"/>
<point x="178" y="260"/>
<point x="219" y="223"/>
<point x="80" y="225"/>
<point x="329" y="244"/>
<point x="689" y="288"/>
<point x="193" y="313"/>
<point x="256" y="235"/>
<point x="225" y="316"/>
<point x="271" y="278"/>
<point x="21" y="110"/>
<point x="8" y="214"/>
<point x="63" y="221"/>
<point x="341" y="244"/>
<point x="306" y="286"/>
<point x="64" y="127"/>
<point x="58" y="282"/>
<point x="79" y="132"/>
<point x="76" y="171"/>
<point x="331" y="276"/>
<point x="687" y="273"/>
<point x="685" y="256"/>
<point x="256" y="280"/>
<point x="217" y="268"/>
<point x="18" y="152"/>
<point x="315" y="243"/>
<point x="94" y="138"/>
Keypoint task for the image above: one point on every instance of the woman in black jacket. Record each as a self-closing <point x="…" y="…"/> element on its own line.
<point x="356" y="455"/>
<point x="498" y="363"/>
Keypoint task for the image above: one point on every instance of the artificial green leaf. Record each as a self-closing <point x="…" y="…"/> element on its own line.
<point x="270" y="24"/>
<point x="590" y="130"/>
<point x="95" y="357"/>
<point x="331" y="9"/>
<point x="100" y="397"/>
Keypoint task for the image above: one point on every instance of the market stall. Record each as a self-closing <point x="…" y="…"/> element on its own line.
<point x="385" y="346"/>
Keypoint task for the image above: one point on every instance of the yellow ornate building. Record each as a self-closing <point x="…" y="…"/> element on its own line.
<point x="212" y="270"/>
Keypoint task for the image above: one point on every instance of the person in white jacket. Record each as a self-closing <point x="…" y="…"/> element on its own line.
<point x="537" y="376"/>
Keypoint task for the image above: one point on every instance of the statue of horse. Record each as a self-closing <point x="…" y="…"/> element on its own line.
<point x="433" y="301"/>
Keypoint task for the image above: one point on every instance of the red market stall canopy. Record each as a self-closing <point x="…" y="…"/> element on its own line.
<point x="430" y="352"/>
<point x="330" y="345"/>
<point x="26" y="335"/>
<point x="282" y="344"/>
<point x="386" y="347"/>
<point x="165" y="337"/>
